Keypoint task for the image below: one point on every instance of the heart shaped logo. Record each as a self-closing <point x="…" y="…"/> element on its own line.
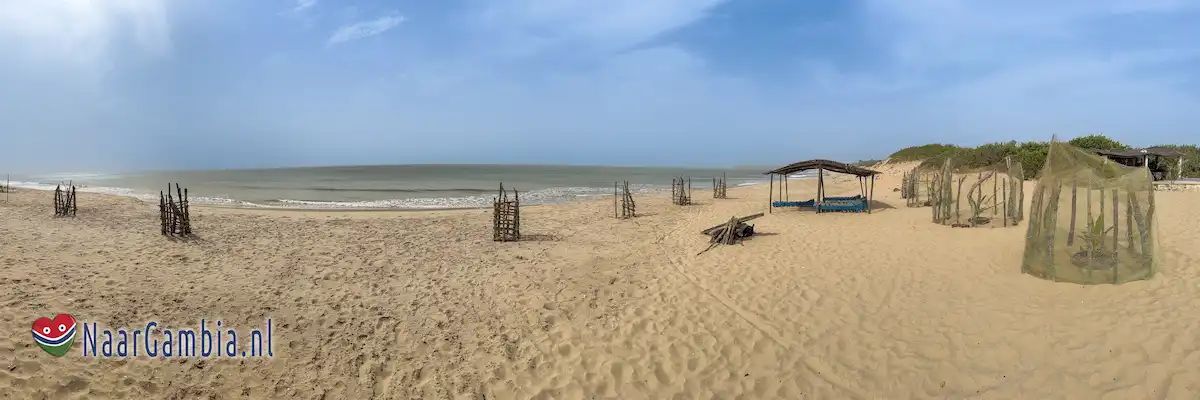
<point x="55" y="336"/>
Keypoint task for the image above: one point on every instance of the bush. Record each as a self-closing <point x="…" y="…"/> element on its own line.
<point x="919" y="153"/>
<point x="1097" y="142"/>
<point x="1031" y="155"/>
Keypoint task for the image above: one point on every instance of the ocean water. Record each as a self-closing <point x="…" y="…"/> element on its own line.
<point x="390" y="186"/>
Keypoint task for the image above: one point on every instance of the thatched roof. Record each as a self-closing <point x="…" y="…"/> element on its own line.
<point x="1134" y="153"/>
<point x="822" y="164"/>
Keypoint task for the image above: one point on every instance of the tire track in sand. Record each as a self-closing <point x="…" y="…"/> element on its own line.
<point x="813" y="364"/>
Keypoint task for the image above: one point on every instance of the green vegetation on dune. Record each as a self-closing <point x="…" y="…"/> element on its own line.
<point x="918" y="153"/>
<point x="1031" y="155"/>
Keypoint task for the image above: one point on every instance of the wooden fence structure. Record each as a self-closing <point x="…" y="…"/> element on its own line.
<point x="1005" y="203"/>
<point x="624" y="207"/>
<point x="719" y="187"/>
<point x="681" y="191"/>
<point x="916" y="187"/>
<point x="174" y="213"/>
<point x="506" y="216"/>
<point x="64" y="201"/>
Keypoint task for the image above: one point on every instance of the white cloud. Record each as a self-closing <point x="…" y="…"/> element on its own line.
<point x="302" y="5"/>
<point x="365" y="29"/>
<point x="530" y="26"/>
<point x="81" y="33"/>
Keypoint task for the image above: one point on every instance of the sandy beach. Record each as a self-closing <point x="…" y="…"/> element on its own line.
<point x="424" y="305"/>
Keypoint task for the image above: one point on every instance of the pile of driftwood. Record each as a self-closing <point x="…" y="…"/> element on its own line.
<point x="719" y="187"/>
<point x="173" y="212"/>
<point x="64" y="201"/>
<point x="730" y="232"/>
<point x="506" y="216"/>
<point x="625" y="208"/>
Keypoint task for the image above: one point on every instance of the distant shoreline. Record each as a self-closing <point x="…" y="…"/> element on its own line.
<point x="391" y="189"/>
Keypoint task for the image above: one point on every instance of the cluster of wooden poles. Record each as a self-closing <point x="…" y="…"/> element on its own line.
<point x="64" y="201"/>
<point x="506" y="216"/>
<point x="174" y="213"/>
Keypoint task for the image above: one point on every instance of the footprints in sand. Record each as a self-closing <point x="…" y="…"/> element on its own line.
<point x="377" y="374"/>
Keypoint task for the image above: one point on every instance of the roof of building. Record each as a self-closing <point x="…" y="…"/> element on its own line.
<point x="824" y="165"/>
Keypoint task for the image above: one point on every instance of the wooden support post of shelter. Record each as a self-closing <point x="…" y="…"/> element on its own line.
<point x="174" y="212"/>
<point x="771" y="193"/>
<point x="64" y="201"/>
<point x="506" y="216"/>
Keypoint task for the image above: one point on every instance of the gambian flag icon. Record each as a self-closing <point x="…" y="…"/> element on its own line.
<point x="55" y="336"/>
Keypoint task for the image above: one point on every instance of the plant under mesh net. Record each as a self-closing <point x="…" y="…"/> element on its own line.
<point x="1091" y="220"/>
<point x="991" y="196"/>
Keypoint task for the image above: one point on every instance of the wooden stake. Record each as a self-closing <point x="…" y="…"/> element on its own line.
<point x="1091" y="220"/>
<point x="1007" y="204"/>
<point x="1101" y="212"/>
<point x="958" y="201"/>
<point x="1129" y="223"/>
<point x="1116" y="232"/>
<point x="1052" y="219"/>
<point x="995" y="182"/>
<point x="1074" y="207"/>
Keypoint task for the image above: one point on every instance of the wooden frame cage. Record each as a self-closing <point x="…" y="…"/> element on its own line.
<point x="992" y="193"/>
<point x="64" y="201"/>
<point x="681" y="191"/>
<point x="719" y="188"/>
<point x="174" y="213"/>
<point x="623" y="205"/>
<point x="506" y="216"/>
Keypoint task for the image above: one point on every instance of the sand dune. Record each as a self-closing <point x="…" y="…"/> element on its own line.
<point x="424" y="305"/>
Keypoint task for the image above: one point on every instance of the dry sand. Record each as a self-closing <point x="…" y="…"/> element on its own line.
<point x="425" y="305"/>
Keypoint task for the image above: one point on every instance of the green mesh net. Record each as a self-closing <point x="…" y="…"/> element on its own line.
<point x="991" y="196"/>
<point x="1091" y="220"/>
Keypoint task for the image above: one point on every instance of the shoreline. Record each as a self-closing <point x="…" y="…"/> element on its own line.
<point x="305" y="209"/>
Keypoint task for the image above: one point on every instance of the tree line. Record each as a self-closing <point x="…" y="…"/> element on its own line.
<point x="1031" y="155"/>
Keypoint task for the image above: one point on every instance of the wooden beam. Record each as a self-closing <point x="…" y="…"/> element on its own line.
<point x="739" y="220"/>
<point x="871" y="194"/>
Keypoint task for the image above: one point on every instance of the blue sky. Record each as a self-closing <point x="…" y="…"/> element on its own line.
<point x="158" y="84"/>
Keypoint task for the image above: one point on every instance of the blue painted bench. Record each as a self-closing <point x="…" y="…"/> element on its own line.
<point x="806" y="203"/>
<point x="859" y="205"/>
